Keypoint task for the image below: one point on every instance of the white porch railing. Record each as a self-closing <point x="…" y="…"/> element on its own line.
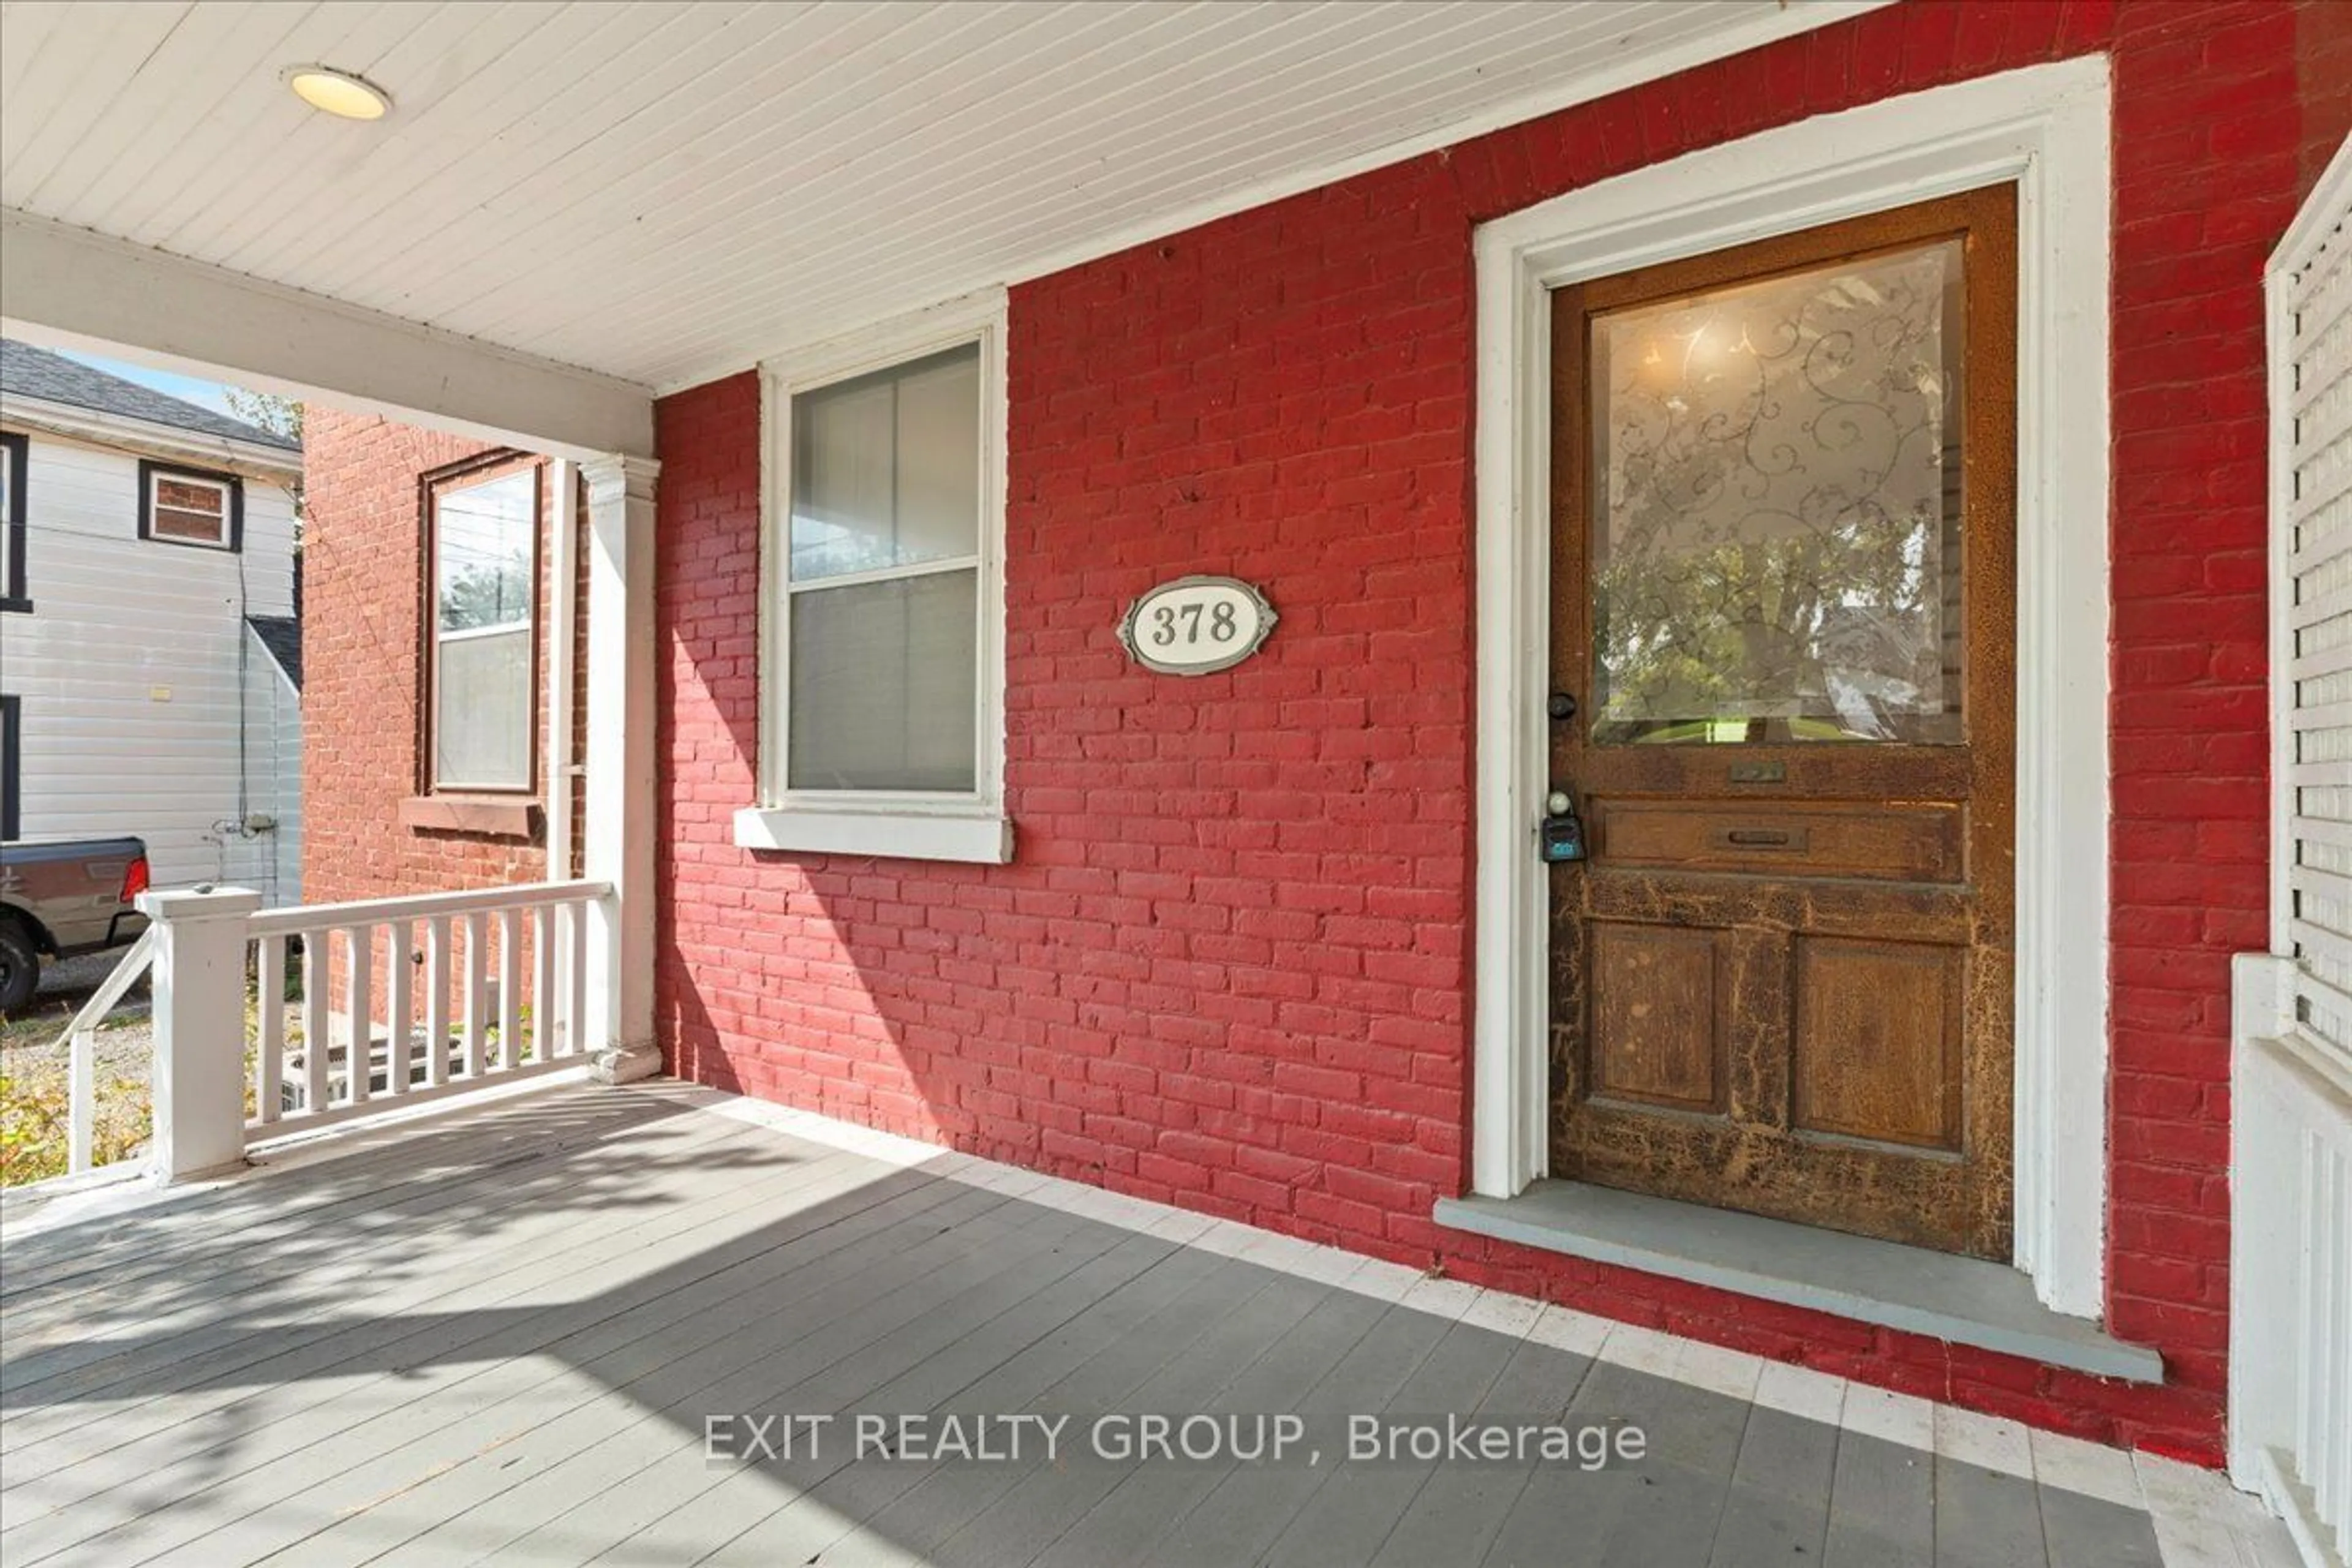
<point x="410" y="999"/>
<point x="400" y="1001"/>
<point x="80" y="1042"/>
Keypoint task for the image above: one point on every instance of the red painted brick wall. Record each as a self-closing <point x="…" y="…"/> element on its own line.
<point x="361" y="653"/>
<point x="2323" y="65"/>
<point x="361" y="650"/>
<point x="1229" y="967"/>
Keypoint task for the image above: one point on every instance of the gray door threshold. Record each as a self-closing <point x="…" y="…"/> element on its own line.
<point x="1965" y="1300"/>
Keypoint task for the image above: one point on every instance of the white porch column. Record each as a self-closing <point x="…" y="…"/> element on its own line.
<point x="618" y="844"/>
<point x="199" y="990"/>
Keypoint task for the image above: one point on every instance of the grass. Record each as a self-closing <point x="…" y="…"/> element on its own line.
<point x="35" y="1093"/>
<point x="34" y="1121"/>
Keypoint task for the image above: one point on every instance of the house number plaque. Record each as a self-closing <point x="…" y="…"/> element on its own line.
<point x="1196" y="624"/>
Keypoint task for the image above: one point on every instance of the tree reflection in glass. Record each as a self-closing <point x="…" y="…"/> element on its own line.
<point x="1776" y="550"/>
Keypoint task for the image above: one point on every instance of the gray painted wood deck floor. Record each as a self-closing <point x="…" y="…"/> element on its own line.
<point x="498" y="1339"/>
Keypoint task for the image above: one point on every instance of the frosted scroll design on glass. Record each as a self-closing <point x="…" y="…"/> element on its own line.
<point x="1776" y="554"/>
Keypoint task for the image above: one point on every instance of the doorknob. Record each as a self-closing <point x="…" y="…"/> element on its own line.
<point x="1561" y="706"/>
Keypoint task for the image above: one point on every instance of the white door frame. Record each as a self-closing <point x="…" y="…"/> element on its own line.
<point x="2044" y="127"/>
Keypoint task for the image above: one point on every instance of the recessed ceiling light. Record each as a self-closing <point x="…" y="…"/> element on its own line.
<point x="338" y="93"/>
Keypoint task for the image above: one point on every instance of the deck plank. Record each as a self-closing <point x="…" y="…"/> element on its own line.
<point x="1353" y="1508"/>
<point x="664" y="1512"/>
<point x="1985" y="1519"/>
<point x="1454" y="1515"/>
<point x="335" y="1448"/>
<point x="527" y="1413"/>
<point x="548" y="1184"/>
<point x="1882" y="1505"/>
<point x="253" y="1326"/>
<point x="171" y="1231"/>
<point x="1112" y="1343"/>
<point x="1663" y="1509"/>
<point x="1241" y="1516"/>
<point x="500" y="1341"/>
<point x="580" y="1459"/>
<point x="1779" y="1509"/>
<point x="479" y="1322"/>
<point x="1099" y="1516"/>
<point x="2090" y="1532"/>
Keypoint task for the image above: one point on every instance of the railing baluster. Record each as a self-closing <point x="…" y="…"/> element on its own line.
<point x="528" y="942"/>
<point x="436" y="1001"/>
<point x="79" y="1043"/>
<point x="510" y="989"/>
<point x="316" y="965"/>
<point x="478" y="969"/>
<point x="542" y="984"/>
<point x="575" y="997"/>
<point x="359" y="948"/>
<point x="399" y="986"/>
<point x="81" y="1100"/>
<point x="269" y="1029"/>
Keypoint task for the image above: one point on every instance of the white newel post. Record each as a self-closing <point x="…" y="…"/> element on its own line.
<point x="618" y="844"/>
<point x="199" y="990"/>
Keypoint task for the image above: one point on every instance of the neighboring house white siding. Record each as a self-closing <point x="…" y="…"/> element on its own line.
<point x="148" y="706"/>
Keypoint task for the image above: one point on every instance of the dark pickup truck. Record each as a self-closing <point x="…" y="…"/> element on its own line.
<point x="60" y="899"/>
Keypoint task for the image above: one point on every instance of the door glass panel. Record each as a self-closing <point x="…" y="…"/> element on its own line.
<point x="1776" y="469"/>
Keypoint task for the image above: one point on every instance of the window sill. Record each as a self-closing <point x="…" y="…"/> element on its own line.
<point x="18" y="607"/>
<point x="979" y="838"/>
<point x="491" y="815"/>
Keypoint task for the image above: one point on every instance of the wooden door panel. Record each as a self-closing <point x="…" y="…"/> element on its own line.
<point x="1769" y="773"/>
<point x="1784" y="621"/>
<point x="1936" y="1203"/>
<point x="1889" y="912"/>
<point x="1877" y="1047"/>
<point x="1911" y="842"/>
<point x="1657" y="1033"/>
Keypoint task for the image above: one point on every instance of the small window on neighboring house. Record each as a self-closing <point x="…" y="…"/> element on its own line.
<point x="482" y="534"/>
<point x="191" y="506"/>
<point x="12" y="767"/>
<point x="14" y="529"/>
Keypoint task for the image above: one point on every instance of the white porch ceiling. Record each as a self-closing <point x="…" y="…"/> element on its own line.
<point x="663" y="193"/>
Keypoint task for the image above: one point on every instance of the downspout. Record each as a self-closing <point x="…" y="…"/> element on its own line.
<point x="563" y="597"/>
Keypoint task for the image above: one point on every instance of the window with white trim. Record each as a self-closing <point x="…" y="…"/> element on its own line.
<point x="191" y="506"/>
<point x="883" y="574"/>
<point x="883" y="663"/>
<point x="483" y="659"/>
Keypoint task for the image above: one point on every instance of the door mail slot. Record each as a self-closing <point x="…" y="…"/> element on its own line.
<point x="1793" y="839"/>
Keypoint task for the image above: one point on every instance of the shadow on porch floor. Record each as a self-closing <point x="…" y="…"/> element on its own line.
<point x="504" y="1335"/>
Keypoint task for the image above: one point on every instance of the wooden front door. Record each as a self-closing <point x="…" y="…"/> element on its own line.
<point x="1784" y="616"/>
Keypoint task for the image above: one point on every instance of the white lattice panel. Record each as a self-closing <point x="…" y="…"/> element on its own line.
<point x="2291" y="1085"/>
<point x="2317" y="510"/>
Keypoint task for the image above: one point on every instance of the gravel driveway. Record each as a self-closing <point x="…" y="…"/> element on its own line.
<point x="65" y="987"/>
